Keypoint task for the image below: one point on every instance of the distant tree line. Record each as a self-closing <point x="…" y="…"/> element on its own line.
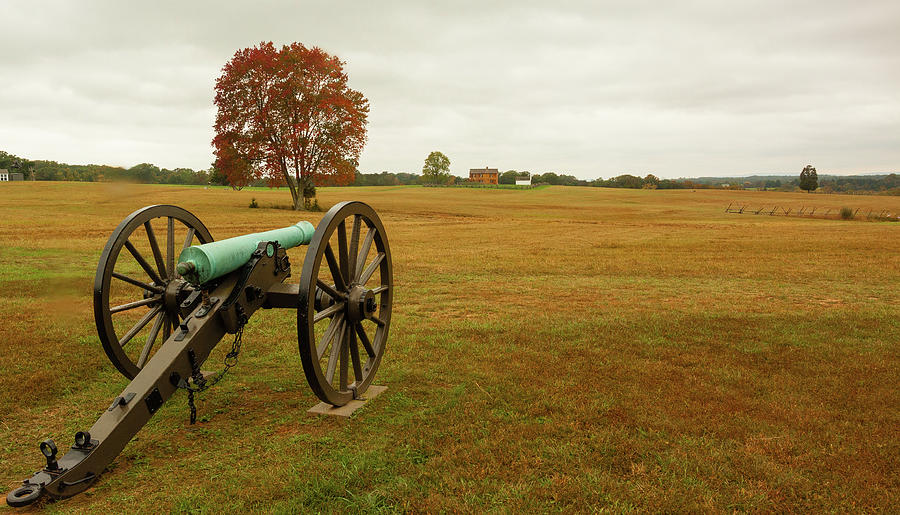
<point x="41" y="170"/>
<point x="152" y="174"/>
<point x="619" y="181"/>
<point x="862" y="184"/>
<point x="386" y="179"/>
<point x="143" y="173"/>
<point x="889" y="184"/>
<point x="886" y="184"/>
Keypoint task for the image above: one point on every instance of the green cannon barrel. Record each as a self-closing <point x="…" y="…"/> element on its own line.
<point x="202" y="263"/>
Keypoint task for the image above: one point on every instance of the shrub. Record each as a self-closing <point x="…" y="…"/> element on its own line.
<point x="311" y="204"/>
<point x="253" y="204"/>
<point x="846" y="213"/>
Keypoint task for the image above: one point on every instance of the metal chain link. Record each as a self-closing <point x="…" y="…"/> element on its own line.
<point x="201" y="383"/>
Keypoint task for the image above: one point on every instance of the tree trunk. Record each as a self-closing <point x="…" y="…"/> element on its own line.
<point x="291" y="184"/>
<point x="308" y="193"/>
<point x="294" y="196"/>
<point x="298" y="198"/>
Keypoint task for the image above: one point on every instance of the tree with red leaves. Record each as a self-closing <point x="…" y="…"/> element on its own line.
<point x="288" y="116"/>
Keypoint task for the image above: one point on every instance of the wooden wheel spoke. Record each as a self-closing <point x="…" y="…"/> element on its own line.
<point x="143" y="262"/>
<point x="354" y="248"/>
<point x="364" y="252"/>
<point x="329" y="334"/>
<point x="170" y="247"/>
<point x="345" y="351"/>
<point x="364" y="338"/>
<point x="377" y="320"/>
<point x="189" y="238"/>
<point x="187" y="243"/>
<point x="381" y="289"/>
<point x="342" y="251"/>
<point x="140" y="325"/>
<point x="354" y="357"/>
<point x="151" y="339"/>
<point x="333" y="357"/>
<point x="139" y="284"/>
<point x="327" y="288"/>
<point x="327" y="312"/>
<point x="174" y="320"/>
<point x="132" y="305"/>
<point x="154" y="246"/>
<point x="167" y="329"/>
<point x="367" y="273"/>
<point x="335" y="268"/>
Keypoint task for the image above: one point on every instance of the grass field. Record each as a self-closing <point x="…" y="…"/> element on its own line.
<point x="572" y="349"/>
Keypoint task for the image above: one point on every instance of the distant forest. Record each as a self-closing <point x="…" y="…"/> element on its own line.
<point x="152" y="174"/>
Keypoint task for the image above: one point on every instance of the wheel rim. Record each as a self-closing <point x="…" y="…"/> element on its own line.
<point x="137" y="292"/>
<point x="344" y="311"/>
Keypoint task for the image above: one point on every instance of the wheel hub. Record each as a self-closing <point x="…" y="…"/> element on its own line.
<point x="174" y="295"/>
<point x="360" y="303"/>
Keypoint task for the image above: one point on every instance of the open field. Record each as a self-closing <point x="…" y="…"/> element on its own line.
<point x="562" y="348"/>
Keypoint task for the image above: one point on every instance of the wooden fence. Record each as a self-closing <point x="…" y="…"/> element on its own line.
<point x="814" y="212"/>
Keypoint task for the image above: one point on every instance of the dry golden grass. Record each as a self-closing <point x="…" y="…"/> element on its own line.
<point x="555" y="349"/>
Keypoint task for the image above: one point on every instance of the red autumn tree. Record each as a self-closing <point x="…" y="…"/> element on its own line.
<point x="288" y="116"/>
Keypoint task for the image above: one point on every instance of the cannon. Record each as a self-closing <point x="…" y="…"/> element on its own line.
<point x="178" y="312"/>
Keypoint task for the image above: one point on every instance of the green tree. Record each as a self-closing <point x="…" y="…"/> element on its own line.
<point x="16" y="164"/>
<point x="567" y="180"/>
<point x="809" y="180"/>
<point x="625" y="181"/>
<point x="436" y="169"/>
<point x="508" y="177"/>
<point x="216" y="177"/>
<point x="145" y="172"/>
<point x="550" y="178"/>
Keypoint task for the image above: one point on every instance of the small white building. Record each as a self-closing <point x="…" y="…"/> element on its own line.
<point x="6" y="175"/>
<point x="523" y="182"/>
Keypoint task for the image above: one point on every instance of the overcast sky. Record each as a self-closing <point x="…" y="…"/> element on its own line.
<point x="679" y="89"/>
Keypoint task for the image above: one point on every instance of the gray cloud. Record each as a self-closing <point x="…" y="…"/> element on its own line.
<point x="592" y="89"/>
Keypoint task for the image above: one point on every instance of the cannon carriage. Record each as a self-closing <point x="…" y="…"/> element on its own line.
<point x="159" y="316"/>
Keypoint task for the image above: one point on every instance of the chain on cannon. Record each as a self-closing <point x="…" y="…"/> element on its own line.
<point x="343" y="302"/>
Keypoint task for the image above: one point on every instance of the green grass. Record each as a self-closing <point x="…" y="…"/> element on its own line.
<point x="569" y="349"/>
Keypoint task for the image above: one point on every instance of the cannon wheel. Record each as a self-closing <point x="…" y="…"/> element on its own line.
<point x="150" y="274"/>
<point x="344" y="307"/>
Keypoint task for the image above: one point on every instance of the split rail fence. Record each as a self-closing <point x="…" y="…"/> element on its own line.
<point x="813" y="212"/>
